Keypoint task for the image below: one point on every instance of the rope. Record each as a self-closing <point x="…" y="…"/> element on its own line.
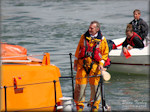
<point x="31" y="84"/>
<point x="37" y="55"/>
<point x="33" y="55"/>
<point x="23" y="56"/>
<point x="59" y="54"/>
<point x="81" y="77"/>
<point x="119" y="44"/>
<point x="14" y="56"/>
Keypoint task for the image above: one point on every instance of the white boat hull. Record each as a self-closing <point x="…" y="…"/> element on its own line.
<point x="138" y="63"/>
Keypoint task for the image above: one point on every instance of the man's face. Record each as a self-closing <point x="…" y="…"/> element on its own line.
<point x="136" y="15"/>
<point x="93" y="29"/>
<point x="129" y="34"/>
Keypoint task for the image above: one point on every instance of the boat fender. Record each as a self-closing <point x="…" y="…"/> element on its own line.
<point x="66" y="102"/>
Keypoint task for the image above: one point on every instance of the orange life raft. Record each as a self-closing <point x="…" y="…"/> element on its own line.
<point x="28" y="86"/>
<point x="13" y="52"/>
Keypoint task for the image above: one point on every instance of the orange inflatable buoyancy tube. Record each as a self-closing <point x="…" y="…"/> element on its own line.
<point x="13" y="52"/>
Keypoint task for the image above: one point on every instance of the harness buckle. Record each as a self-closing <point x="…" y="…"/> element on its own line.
<point x="88" y="54"/>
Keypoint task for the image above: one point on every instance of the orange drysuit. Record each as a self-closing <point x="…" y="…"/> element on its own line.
<point x="81" y="82"/>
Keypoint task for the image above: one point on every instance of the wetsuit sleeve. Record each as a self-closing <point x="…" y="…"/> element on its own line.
<point x="104" y="51"/>
<point x="144" y="29"/>
<point x="125" y="43"/>
<point x="138" y="43"/>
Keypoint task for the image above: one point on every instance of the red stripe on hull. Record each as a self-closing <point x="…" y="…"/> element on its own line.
<point x="130" y="64"/>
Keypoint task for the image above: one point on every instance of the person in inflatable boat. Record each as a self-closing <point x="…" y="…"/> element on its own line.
<point x="90" y="56"/>
<point x="139" y="25"/>
<point x="133" y="40"/>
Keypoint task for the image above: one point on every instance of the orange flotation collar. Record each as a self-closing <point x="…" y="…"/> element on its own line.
<point x="13" y="52"/>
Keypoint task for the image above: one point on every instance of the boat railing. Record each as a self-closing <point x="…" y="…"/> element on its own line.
<point x="104" y="106"/>
<point x="19" y="89"/>
<point x="71" y="77"/>
<point x="56" y="107"/>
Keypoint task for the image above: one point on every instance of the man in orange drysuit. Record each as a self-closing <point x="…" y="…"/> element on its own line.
<point x="90" y="56"/>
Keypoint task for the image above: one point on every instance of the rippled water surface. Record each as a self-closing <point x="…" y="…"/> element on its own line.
<point x="55" y="26"/>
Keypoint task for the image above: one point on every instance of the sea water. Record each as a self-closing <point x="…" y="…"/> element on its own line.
<point x="55" y="26"/>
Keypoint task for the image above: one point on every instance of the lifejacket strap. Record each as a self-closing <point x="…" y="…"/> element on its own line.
<point x="87" y="71"/>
